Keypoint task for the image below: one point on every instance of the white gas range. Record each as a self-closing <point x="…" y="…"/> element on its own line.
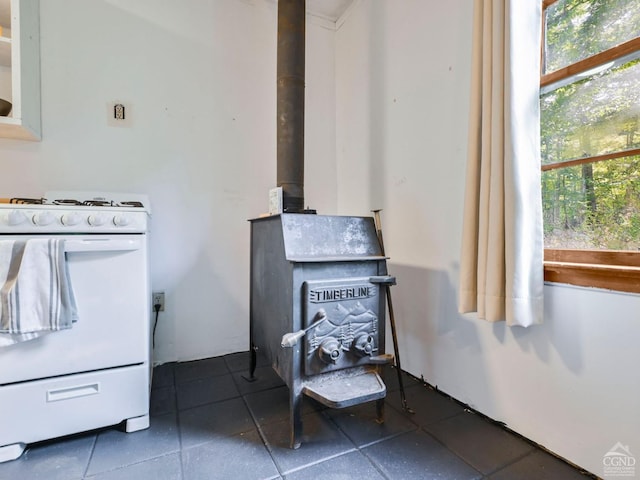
<point x="96" y="373"/>
<point x="76" y="212"/>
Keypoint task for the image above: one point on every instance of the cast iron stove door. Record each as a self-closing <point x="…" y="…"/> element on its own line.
<point x="342" y="342"/>
<point x="343" y="320"/>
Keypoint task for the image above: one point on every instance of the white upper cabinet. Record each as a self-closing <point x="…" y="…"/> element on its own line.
<point x="20" y="68"/>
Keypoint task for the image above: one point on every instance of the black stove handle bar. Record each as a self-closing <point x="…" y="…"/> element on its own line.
<point x="383" y="280"/>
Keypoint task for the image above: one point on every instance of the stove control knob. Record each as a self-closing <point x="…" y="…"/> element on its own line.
<point x="121" y="220"/>
<point x="96" y="220"/>
<point x="363" y="345"/>
<point x="16" y="217"/>
<point x="70" y="219"/>
<point x="43" y="218"/>
<point x="330" y="350"/>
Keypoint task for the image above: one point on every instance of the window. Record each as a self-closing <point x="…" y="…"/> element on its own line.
<point x="590" y="142"/>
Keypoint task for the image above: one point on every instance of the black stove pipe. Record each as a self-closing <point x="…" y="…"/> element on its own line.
<point x="290" y="100"/>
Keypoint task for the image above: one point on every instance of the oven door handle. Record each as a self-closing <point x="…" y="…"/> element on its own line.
<point x="102" y="245"/>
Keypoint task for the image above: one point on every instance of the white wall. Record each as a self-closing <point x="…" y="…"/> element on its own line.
<point x="199" y="82"/>
<point x="572" y="385"/>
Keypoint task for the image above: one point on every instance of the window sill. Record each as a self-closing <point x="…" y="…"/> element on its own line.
<point x="613" y="270"/>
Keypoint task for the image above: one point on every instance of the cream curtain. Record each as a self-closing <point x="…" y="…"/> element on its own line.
<point x="501" y="271"/>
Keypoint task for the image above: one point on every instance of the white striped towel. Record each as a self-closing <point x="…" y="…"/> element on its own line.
<point x="36" y="296"/>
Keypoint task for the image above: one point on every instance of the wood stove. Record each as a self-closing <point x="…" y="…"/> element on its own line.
<point x="318" y="283"/>
<point x="318" y="308"/>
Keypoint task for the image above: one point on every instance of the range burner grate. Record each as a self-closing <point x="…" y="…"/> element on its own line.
<point x="28" y="201"/>
<point x="83" y="199"/>
<point x="67" y="202"/>
<point x="132" y="204"/>
<point x="97" y="203"/>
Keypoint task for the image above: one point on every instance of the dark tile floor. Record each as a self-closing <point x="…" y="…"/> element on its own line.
<point x="209" y="423"/>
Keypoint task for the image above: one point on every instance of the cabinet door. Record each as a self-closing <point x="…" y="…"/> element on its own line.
<point x="5" y="50"/>
<point x="20" y="68"/>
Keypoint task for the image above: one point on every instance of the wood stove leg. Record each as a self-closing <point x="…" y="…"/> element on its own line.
<point x="380" y="411"/>
<point x="253" y="360"/>
<point x="295" y="420"/>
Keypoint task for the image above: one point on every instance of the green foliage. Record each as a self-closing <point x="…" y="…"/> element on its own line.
<point x="592" y="116"/>
<point x="577" y="29"/>
<point x="571" y="222"/>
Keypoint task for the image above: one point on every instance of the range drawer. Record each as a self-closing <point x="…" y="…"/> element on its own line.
<point x="44" y="409"/>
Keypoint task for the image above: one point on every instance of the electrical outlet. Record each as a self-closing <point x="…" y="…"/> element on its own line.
<point x="119" y="112"/>
<point x="157" y="299"/>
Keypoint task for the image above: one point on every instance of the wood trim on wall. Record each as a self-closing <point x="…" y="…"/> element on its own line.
<point x="610" y="269"/>
<point x="596" y="257"/>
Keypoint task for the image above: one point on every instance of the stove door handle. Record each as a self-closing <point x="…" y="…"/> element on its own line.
<point x="384" y="359"/>
<point x="383" y="280"/>
<point x="291" y="339"/>
<point x="102" y="245"/>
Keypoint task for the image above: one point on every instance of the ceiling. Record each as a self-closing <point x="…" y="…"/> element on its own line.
<point x="330" y="9"/>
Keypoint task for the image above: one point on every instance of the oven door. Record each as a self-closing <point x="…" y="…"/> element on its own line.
<point x="110" y="281"/>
